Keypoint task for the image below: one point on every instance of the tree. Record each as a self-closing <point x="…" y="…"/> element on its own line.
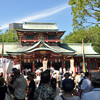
<point x="85" y="12"/>
<point x="10" y="36"/>
<point x="90" y="35"/>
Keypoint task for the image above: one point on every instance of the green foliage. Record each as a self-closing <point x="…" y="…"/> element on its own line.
<point x="90" y="35"/>
<point x="0" y="36"/>
<point x="83" y="11"/>
<point x="9" y="36"/>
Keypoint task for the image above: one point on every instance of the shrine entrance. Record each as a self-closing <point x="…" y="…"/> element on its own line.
<point x="26" y="66"/>
<point x="38" y="64"/>
<point x="57" y="65"/>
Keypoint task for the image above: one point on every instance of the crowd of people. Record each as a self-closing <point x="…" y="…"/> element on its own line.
<point x="49" y="85"/>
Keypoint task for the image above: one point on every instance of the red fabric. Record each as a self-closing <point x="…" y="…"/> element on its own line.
<point x="75" y="69"/>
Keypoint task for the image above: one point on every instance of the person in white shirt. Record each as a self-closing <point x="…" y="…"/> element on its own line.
<point x="95" y="93"/>
<point x="37" y="80"/>
<point x="86" y="84"/>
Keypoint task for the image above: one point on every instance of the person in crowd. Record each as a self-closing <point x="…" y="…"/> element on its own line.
<point x="3" y="88"/>
<point x="19" y="86"/>
<point x="54" y="75"/>
<point x="54" y="86"/>
<point x="95" y="93"/>
<point x="86" y="84"/>
<point x="11" y="81"/>
<point x="66" y="75"/>
<point x="37" y="79"/>
<point x="77" y="79"/>
<point x="82" y="75"/>
<point x="44" y="91"/>
<point x="31" y="87"/>
<point x="68" y="87"/>
<point x="60" y="79"/>
<point x="1" y="74"/>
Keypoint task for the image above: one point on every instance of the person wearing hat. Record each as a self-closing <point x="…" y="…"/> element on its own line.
<point x="95" y="93"/>
<point x="31" y="87"/>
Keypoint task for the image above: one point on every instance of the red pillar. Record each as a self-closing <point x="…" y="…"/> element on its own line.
<point x="33" y="68"/>
<point x="63" y="64"/>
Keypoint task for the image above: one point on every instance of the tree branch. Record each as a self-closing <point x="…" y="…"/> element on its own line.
<point x="93" y="23"/>
<point x="95" y="9"/>
<point x="90" y="14"/>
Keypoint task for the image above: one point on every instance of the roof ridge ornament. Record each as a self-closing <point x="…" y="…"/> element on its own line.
<point x="41" y="38"/>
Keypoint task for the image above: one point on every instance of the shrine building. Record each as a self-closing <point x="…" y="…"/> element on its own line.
<point x="39" y="40"/>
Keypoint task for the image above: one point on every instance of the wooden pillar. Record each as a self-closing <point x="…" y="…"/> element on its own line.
<point x="33" y="67"/>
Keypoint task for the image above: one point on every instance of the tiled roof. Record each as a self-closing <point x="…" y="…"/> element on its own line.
<point x="30" y="25"/>
<point x="88" y="49"/>
<point x="65" y="49"/>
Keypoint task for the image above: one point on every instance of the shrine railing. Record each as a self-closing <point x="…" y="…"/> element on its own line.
<point x="46" y="40"/>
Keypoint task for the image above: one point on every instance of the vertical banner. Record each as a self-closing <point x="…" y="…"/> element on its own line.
<point x="10" y="66"/>
<point x="1" y="65"/>
<point x="45" y="64"/>
<point x="83" y="67"/>
<point x="72" y="65"/>
<point x="4" y="67"/>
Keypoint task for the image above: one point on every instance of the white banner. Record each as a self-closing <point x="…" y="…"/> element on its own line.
<point x="10" y="66"/>
<point x="44" y="65"/>
<point x="72" y="65"/>
<point x="6" y="66"/>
